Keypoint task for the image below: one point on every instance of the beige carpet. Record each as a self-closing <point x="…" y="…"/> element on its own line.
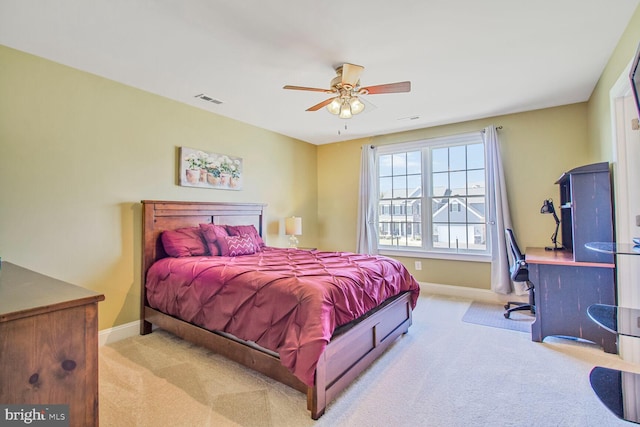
<point x="445" y="372"/>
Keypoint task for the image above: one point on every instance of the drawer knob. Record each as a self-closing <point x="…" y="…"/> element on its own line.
<point x="68" y="365"/>
<point x="33" y="379"/>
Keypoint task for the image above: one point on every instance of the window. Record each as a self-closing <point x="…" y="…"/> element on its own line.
<point x="445" y="175"/>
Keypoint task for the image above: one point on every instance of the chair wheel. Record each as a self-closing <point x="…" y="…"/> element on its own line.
<point x="506" y="306"/>
<point x="506" y="315"/>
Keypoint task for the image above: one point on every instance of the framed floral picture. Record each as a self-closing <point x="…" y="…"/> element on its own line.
<point x="209" y="170"/>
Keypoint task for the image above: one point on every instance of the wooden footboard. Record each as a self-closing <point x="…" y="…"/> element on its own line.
<point x="350" y="353"/>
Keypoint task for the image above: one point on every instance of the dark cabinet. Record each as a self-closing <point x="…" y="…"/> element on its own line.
<point x="586" y="212"/>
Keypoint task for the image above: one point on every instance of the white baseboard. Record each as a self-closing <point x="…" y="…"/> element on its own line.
<point x="131" y="329"/>
<point x="117" y="333"/>
<point x="484" y="295"/>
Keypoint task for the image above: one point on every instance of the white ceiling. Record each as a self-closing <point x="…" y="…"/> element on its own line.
<point x="466" y="59"/>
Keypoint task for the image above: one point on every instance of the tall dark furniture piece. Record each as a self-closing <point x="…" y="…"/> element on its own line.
<point x="586" y="214"/>
<point x="569" y="281"/>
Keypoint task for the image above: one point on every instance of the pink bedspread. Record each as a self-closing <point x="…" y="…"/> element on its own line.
<point x="286" y="300"/>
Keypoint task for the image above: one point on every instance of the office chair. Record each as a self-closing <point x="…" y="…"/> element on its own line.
<point x="519" y="272"/>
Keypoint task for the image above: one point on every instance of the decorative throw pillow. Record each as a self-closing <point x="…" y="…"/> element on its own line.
<point x="236" y="245"/>
<point x="212" y="234"/>
<point x="250" y="230"/>
<point x="184" y="242"/>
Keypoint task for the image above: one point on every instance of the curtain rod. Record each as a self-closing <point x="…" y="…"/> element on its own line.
<point x="497" y="128"/>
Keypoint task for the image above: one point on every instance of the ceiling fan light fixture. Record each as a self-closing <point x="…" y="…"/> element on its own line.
<point x="356" y="105"/>
<point x="334" y="106"/>
<point x="345" y="110"/>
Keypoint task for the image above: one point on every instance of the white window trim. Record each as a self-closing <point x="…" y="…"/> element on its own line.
<point x="452" y="254"/>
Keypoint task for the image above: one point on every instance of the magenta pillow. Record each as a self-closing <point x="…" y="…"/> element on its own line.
<point x="212" y="234"/>
<point x="250" y="230"/>
<point x="184" y="242"/>
<point x="236" y="245"/>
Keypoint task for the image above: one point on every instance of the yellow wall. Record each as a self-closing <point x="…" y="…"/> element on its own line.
<point x="536" y="147"/>
<point x="77" y="154"/>
<point x="599" y="112"/>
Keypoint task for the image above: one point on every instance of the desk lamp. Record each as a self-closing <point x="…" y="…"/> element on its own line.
<point x="293" y="228"/>
<point x="547" y="208"/>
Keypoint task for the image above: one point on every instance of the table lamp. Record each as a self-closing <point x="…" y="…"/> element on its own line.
<point x="293" y="228"/>
<point x="547" y="208"/>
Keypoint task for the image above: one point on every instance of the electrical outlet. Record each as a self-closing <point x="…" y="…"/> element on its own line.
<point x="418" y="265"/>
<point x="638" y="220"/>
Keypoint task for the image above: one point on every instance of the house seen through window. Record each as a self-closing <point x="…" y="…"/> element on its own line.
<point x="432" y="196"/>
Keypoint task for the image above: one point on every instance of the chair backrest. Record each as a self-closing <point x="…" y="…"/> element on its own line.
<point x="519" y="270"/>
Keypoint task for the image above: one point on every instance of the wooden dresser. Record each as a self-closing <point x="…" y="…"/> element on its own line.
<point x="48" y="343"/>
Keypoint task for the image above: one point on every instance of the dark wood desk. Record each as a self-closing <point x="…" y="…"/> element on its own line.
<point x="564" y="289"/>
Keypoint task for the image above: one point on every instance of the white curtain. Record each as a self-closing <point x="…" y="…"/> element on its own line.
<point x="367" y="199"/>
<point x="498" y="217"/>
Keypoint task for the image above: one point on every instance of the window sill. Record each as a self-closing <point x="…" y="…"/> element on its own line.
<point x="436" y="255"/>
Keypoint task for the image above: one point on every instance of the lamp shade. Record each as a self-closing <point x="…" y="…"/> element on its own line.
<point x="547" y="207"/>
<point x="345" y="110"/>
<point x="356" y="105"/>
<point x="334" y="106"/>
<point x="293" y="226"/>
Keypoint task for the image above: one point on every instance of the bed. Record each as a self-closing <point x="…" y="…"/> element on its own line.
<point x="317" y="357"/>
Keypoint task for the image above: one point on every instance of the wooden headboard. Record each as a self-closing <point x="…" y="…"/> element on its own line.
<point x="158" y="216"/>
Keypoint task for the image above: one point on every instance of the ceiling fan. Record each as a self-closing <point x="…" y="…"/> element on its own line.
<point x="346" y="88"/>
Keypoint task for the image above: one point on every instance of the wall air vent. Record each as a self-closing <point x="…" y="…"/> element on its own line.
<point x="208" y="99"/>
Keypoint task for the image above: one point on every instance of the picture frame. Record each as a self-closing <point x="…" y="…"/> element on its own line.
<point x="203" y="169"/>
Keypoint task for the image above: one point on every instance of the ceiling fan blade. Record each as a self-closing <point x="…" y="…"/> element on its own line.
<point x="322" y="104"/>
<point x="387" y="88"/>
<point x="351" y="74"/>
<point x="311" y="89"/>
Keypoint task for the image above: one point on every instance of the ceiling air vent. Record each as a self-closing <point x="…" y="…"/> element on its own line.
<point x="208" y="99"/>
<point x="409" y="118"/>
